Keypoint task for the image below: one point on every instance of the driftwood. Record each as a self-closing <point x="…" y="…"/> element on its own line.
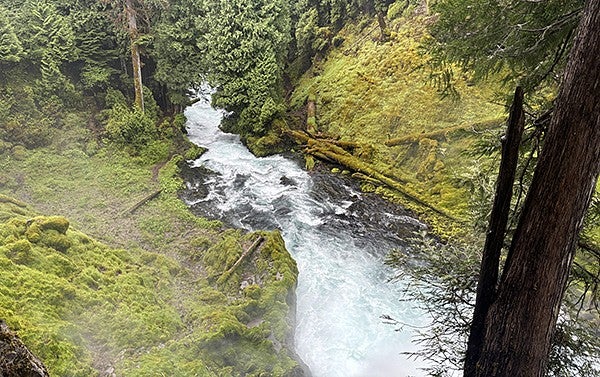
<point x="15" y="359"/>
<point x="246" y="253"/>
<point x="325" y="150"/>
<point x="143" y="201"/>
<point x="442" y="134"/>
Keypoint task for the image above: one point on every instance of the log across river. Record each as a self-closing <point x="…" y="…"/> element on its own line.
<point x="338" y="236"/>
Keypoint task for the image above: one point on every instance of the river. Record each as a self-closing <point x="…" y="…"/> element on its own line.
<point x="338" y="236"/>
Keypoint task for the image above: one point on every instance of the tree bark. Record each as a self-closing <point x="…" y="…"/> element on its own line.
<point x="385" y="34"/>
<point x="135" y="54"/>
<point x="15" y="359"/>
<point x="490" y="262"/>
<point x="521" y="320"/>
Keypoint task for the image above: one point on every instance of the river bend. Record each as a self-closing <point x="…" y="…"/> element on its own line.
<point x="338" y="236"/>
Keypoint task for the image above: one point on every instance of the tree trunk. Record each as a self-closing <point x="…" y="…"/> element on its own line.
<point x="15" y="359"/>
<point x="385" y="34"/>
<point x="490" y="262"/>
<point x="135" y="54"/>
<point x="521" y="320"/>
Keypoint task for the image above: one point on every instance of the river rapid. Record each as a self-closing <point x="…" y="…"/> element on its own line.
<point x="338" y="236"/>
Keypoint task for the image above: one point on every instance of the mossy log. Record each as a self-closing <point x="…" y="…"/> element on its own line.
<point x="444" y="133"/>
<point x="327" y="151"/>
<point x="143" y="201"/>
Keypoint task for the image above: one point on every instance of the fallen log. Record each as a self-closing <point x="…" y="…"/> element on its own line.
<point x="327" y="151"/>
<point x="442" y="134"/>
<point x="247" y="252"/>
<point x="143" y="201"/>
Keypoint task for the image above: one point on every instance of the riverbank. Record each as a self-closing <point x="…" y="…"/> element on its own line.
<point x="338" y="236"/>
<point x="164" y="266"/>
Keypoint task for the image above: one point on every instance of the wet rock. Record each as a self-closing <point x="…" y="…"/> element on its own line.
<point x="287" y="181"/>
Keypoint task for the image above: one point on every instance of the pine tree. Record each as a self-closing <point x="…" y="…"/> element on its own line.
<point x="247" y="49"/>
<point x="11" y="49"/>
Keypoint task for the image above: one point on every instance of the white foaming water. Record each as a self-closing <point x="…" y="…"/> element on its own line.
<point x="342" y="285"/>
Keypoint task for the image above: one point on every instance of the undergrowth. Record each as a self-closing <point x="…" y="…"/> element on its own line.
<point x="133" y="290"/>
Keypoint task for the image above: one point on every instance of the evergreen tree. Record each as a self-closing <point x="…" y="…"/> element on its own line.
<point x="247" y="49"/>
<point x="48" y="41"/>
<point x="11" y="49"/>
<point x="181" y="62"/>
<point x="525" y="40"/>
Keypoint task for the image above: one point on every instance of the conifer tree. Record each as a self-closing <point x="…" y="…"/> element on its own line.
<point x="11" y="49"/>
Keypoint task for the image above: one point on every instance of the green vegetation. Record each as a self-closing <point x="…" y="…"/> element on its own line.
<point x="132" y="280"/>
<point x="424" y="130"/>
<point x="389" y="84"/>
<point x="80" y="304"/>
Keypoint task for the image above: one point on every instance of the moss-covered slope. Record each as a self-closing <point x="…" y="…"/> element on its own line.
<point x="381" y="96"/>
<point x="82" y="306"/>
<point x="133" y="289"/>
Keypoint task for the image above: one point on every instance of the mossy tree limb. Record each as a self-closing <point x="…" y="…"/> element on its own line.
<point x="444" y="133"/>
<point x="325" y="150"/>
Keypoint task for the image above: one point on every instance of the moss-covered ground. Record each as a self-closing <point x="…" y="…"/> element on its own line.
<point x="371" y="92"/>
<point x="137" y="293"/>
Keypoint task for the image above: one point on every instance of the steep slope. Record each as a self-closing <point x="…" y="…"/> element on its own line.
<point x="383" y="98"/>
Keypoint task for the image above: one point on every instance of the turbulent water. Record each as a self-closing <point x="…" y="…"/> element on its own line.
<point x="338" y="237"/>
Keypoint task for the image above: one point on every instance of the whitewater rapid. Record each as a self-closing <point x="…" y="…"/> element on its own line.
<point x="337" y="237"/>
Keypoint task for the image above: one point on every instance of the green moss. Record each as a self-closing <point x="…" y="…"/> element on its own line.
<point x="270" y="143"/>
<point x="147" y="307"/>
<point x="19" y="152"/>
<point x="354" y="104"/>
<point x="194" y="152"/>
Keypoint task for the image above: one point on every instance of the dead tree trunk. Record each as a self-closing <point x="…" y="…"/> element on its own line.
<point x="385" y="34"/>
<point x="135" y="53"/>
<point x="521" y="320"/>
<point x="490" y="263"/>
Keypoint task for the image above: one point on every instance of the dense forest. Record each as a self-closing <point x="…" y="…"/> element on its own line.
<point x="481" y="119"/>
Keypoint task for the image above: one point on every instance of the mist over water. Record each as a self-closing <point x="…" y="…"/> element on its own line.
<point x="338" y="236"/>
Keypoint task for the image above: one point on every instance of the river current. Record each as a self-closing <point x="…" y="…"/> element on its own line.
<point x="338" y="236"/>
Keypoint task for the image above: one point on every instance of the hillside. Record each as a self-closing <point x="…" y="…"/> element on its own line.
<point x="157" y="299"/>
<point x="381" y="97"/>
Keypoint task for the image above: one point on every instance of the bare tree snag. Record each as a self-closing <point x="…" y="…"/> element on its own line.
<point x="521" y="320"/>
<point x="384" y="32"/>
<point x="135" y="53"/>
<point x="311" y="115"/>
<point x="490" y="263"/>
